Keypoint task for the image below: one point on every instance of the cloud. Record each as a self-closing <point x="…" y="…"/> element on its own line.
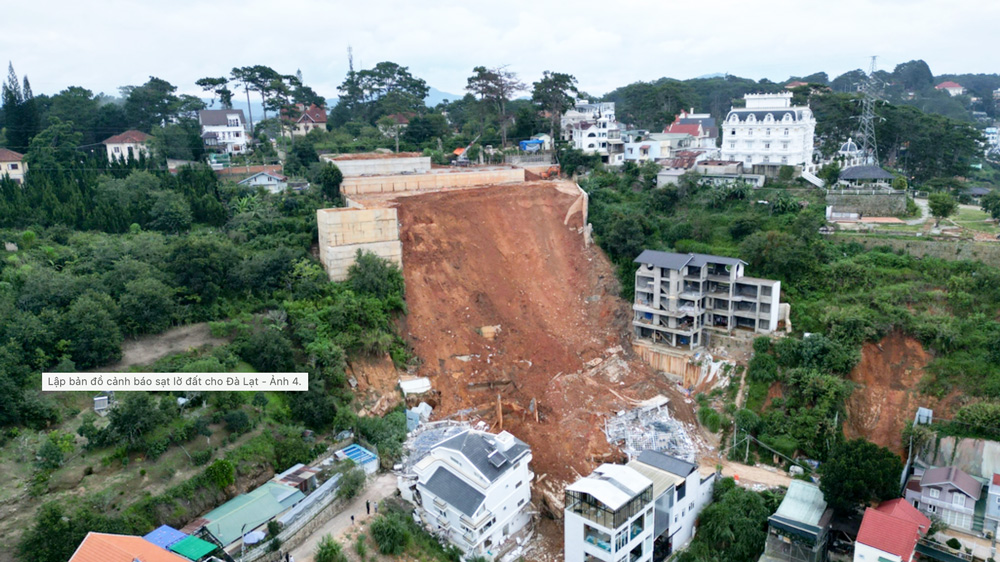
<point x="604" y="44"/>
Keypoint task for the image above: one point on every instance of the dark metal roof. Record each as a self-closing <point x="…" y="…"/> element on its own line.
<point x="476" y="447"/>
<point x="671" y="260"/>
<point x="977" y="191"/>
<point x="705" y="122"/>
<point x="865" y="173"/>
<point x="218" y="117"/>
<point x="665" y="462"/>
<point x="455" y="491"/>
<point x="760" y="114"/>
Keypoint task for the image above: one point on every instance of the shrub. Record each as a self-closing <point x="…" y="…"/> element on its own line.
<point x="390" y="534"/>
<point x="329" y="550"/>
<point x="351" y="482"/>
<point x="954" y="543"/>
<point x="222" y="473"/>
<point x="237" y="421"/>
<point x="710" y="419"/>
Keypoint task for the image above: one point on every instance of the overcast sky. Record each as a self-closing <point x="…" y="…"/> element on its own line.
<point x="103" y="45"/>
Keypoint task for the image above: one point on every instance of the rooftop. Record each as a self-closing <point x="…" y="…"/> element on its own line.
<point x="484" y="451"/>
<point x="803" y="503"/>
<point x="218" y="117"/>
<point x="954" y="476"/>
<point x="948" y="84"/>
<point x="671" y="260"/>
<point x="889" y="534"/>
<point x="452" y="489"/>
<point x="251" y="509"/>
<point x="372" y="156"/>
<point x="104" y="547"/>
<point x="7" y="155"/>
<point x="667" y="463"/>
<point x="613" y="485"/>
<point x="131" y="136"/>
<point x="661" y="479"/>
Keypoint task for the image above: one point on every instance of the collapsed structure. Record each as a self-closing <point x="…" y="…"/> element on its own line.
<point x="473" y="488"/>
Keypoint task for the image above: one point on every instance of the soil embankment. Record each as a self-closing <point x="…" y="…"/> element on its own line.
<point x="886" y="397"/>
<point x="504" y="300"/>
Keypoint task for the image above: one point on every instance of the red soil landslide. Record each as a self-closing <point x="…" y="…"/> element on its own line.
<point x="502" y="256"/>
<point x="886" y="398"/>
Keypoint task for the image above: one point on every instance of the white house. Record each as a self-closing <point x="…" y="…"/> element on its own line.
<point x="609" y="516"/>
<point x="655" y="146"/>
<point x="769" y="132"/>
<point x="127" y="145"/>
<point x="700" y="125"/>
<point x="680" y="492"/>
<point x="592" y="128"/>
<point x="308" y="119"/>
<point x="275" y="183"/>
<point x="224" y="129"/>
<point x="475" y="489"/>
<point x="12" y="165"/>
<point x="953" y="88"/>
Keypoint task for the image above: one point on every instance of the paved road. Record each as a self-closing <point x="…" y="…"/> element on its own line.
<point x="383" y="486"/>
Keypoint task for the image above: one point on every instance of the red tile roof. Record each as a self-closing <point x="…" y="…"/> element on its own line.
<point x="948" y="84"/>
<point x="7" y="155"/>
<point x="902" y="509"/>
<point x="128" y="137"/>
<point x="315" y="114"/>
<point x="996" y="479"/>
<point x="691" y="129"/>
<point x="889" y="534"/>
<point x="796" y="84"/>
<point x="102" y="547"/>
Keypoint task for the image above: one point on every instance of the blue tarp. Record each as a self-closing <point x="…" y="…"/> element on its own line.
<point x="164" y="536"/>
<point x="530" y="145"/>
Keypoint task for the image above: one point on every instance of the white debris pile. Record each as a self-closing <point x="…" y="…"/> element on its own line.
<point x="714" y="372"/>
<point x="650" y="427"/>
<point x="422" y="439"/>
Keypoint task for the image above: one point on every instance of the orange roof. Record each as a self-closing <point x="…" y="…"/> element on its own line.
<point x="131" y="136"/>
<point x="948" y="84"/>
<point x="902" y="509"/>
<point x="102" y="547"/>
<point x="694" y="129"/>
<point x="888" y="534"/>
<point x="7" y="155"/>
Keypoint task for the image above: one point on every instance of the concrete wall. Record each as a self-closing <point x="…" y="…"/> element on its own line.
<point x="877" y="205"/>
<point x="675" y="364"/>
<point x="430" y="181"/>
<point x="342" y="232"/>
<point x="986" y="252"/>
<point x="381" y="166"/>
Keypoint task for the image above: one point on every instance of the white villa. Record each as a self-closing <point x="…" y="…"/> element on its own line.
<point x="224" y="129"/>
<point x="769" y="132"/>
<point x="592" y="128"/>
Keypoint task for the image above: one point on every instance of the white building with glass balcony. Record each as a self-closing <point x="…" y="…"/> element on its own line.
<point x="680" y="296"/>
<point x="769" y="132"/>
<point x="475" y="489"/>
<point x="609" y="516"/>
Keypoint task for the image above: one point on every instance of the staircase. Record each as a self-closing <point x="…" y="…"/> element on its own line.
<point x="811" y="178"/>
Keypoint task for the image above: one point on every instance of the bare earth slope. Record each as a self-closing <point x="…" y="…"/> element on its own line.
<point x="501" y="256"/>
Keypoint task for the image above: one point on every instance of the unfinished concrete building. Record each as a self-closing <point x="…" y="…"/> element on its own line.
<point x="345" y="230"/>
<point x="680" y="297"/>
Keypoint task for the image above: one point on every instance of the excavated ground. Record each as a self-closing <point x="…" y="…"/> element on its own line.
<point x="502" y="257"/>
<point x="886" y="397"/>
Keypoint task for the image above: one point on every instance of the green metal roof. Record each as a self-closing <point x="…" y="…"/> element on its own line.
<point x="193" y="548"/>
<point x="803" y="502"/>
<point x="246" y="512"/>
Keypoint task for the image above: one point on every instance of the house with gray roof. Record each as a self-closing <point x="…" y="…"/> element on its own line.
<point x="475" y="489"/>
<point x="678" y="297"/>
<point x="224" y="130"/>
<point x="950" y="493"/>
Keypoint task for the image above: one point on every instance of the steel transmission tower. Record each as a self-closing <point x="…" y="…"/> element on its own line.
<point x="866" y="130"/>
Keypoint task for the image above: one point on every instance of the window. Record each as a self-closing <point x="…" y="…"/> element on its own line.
<point x="13" y="166"/>
<point x="236" y="134"/>
<point x="518" y="485"/>
<point x="767" y="146"/>
<point x="233" y="121"/>
<point x="786" y="132"/>
<point x="958" y="499"/>
<point x="749" y="132"/>
<point x="767" y="132"/>
<point x="934" y="493"/>
<point x="591" y="145"/>
<point x="732" y="145"/>
<point x="117" y="149"/>
<point x="734" y="131"/>
<point x="520" y="502"/>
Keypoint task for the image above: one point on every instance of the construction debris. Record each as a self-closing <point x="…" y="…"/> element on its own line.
<point x="650" y="427"/>
<point x="417" y="385"/>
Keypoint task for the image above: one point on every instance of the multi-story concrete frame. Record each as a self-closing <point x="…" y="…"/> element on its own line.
<point x="475" y="488"/>
<point x="609" y="516"/>
<point x="678" y="296"/>
<point x="769" y="132"/>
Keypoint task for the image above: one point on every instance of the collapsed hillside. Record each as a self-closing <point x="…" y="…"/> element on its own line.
<point x="504" y="299"/>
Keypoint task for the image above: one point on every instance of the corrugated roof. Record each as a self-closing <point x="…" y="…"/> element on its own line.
<point x="452" y="489"/>
<point x="865" y="173"/>
<point x="104" y="547"/>
<point x="672" y="260"/>
<point x="662" y="480"/>
<point x="251" y="509"/>
<point x="164" y="536"/>
<point x="803" y="503"/>
<point x="888" y="534"/>
<point x="668" y="463"/>
<point x="612" y="484"/>
<point x="193" y="548"/>
<point x="954" y="476"/>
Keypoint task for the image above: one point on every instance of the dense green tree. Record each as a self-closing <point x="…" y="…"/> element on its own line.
<point x="135" y="416"/>
<point x="268" y="350"/>
<point x="222" y="473"/>
<point x="146" y="306"/>
<point x="90" y="327"/>
<point x="219" y="87"/>
<point x="150" y="105"/>
<point x="200" y="266"/>
<point x="376" y="276"/>
<point x="170" y="213"/>
<point x="425" y="128"/>
<point x="495" y="87"/>
<point x="942" y="205"/>
<point x="733" y="528"/>
<point x="390" y="534"/>
<point x="914" y="75"/>
<point x="990" y="203"/>
<point x="554" y="93"/>
<point x="859" y="473"/>
<point x="19" y="111"/>
<point x="369" y="94"/>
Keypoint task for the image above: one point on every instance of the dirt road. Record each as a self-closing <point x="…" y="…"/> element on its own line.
<point x="382" y="487"/>
<point x="147" y="349"/>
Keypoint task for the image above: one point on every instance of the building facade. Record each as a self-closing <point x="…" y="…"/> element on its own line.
<point x="800" y="529"/>
<point x="655" y="146"/>
<point x="475" y="489"/>
<point x="769" y="132"/>
<point x="679" y="296"/>
<point x="308" y="119"/>
<point x="953" y="88"/>
<point x="592" y="128"/>
<point x="680" y="493"/>
<point x="609" y="516"/>
<point x="947" y="492"/>
<point x="128" y="145"/>
<point x="12" y="165"/>
<point x="224" y="130"/>
<point x="993" y="506"/>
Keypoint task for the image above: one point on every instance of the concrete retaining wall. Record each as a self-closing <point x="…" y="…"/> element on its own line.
<point x="342" y="232"/>
<point x="678" y="365"/>
<point x="986" y="252"/>
<point x="430" y="181"/>
<point x="868" y="205"/>
<point x="382" y="166"/>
